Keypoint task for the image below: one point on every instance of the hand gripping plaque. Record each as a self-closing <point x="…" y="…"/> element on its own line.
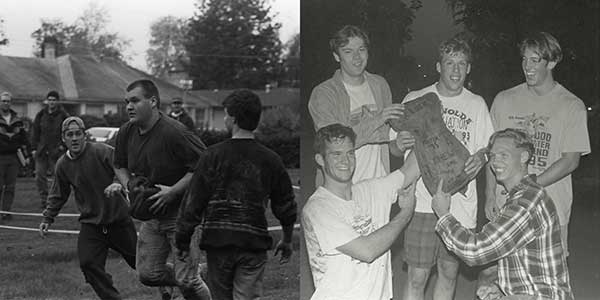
<point x="439" y="153"/>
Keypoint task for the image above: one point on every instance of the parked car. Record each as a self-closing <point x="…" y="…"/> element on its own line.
<point x="103" y="134"/>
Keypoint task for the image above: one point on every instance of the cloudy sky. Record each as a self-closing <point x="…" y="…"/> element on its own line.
<point x="130" y="18"/>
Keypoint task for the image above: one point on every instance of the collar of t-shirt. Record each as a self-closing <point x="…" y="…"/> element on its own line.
<point x="360" y="95"/>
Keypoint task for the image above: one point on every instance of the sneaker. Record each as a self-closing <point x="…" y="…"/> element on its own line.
<point x="6" y="217"/>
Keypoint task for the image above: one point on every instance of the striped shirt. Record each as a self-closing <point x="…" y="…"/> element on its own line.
<point x="524" y="238"/>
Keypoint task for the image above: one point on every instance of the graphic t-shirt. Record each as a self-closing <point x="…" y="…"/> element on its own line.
<point x="369" y="163"/>
<point x="466" y="116"/>
<point x="330" y="221"/>
<point x="556" y="122"/>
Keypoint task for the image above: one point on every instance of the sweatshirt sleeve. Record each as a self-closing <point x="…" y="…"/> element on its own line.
<point x="283" y="204"/>
<point x="58" y="195"/>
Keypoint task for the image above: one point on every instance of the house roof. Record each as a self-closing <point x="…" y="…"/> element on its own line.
<point x="275" y="97"/>
<point x="78" y="79"/>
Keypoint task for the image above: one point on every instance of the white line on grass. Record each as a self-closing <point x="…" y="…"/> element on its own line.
<point x="272" y="228"/>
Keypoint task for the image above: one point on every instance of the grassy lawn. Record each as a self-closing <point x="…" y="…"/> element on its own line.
<point x="36" y="268"/>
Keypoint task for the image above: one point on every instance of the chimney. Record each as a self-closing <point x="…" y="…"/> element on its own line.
<point x="49" y="47"/>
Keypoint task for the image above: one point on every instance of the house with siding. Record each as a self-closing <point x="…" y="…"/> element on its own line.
<point x="211" y="116"/>
<point x="86" y="84"/>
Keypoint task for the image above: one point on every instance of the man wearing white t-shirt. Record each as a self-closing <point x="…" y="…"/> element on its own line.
<point x="360" y="100"/>
<point x="346" y="226"/>
<point x="466" y="116"/>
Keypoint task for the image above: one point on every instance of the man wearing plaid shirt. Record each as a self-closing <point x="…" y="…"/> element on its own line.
<point x="524" y="237"/>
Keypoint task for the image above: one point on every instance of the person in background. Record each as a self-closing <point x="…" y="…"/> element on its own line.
<point x="13" y="139"/>
<point x="47" y="143"/>
<point x="179" y="114"/>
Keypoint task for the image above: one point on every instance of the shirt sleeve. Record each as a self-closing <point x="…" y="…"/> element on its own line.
<point x="494" y="112"/>
<point x="58" y="195"/>
<point x="282" y="196"/>
<point x="120" y="154"/>
<point x="485" y="128"/>
<point x="187" y="147"/>
<point x="329" y="228"/>
<point x="576" y="136"/>
<point x="510" y="231"/>
<point x="194" y="202"/>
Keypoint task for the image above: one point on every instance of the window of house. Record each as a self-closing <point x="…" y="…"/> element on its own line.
<point x="96" y="110"/>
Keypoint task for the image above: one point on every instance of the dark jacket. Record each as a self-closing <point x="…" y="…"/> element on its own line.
<point x="46" y="137"/>
<point x="184" y="119"/>
<point x="12" y="135"/>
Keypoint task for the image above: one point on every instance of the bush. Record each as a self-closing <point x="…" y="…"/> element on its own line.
<point x="287" y="147"/>
<point x="280" y="121"/>
<point x="116" y="120"/>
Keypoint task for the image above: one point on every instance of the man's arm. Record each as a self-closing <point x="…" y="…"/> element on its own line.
<point x="35" y="135"/>
<point x="169" y="194"/>
<point x="510" y="231"/>
<point x="368" y="248"/>
<point x="284" y="208"/>
<point x="124" y="175"/>
<point x="561" y="168"/>
<point x="191" y="209"/>
<point x="491" y="206"/>
<point x="410" y="169"/>
<point x="58" y="196"/>
<point x="325" y="111"/>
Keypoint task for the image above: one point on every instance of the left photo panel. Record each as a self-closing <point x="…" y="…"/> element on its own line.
<point x="150" y="150"/>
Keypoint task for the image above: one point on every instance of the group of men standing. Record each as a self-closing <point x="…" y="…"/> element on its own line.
<point x="188" y="185"/>
<point x="528" y="145"/>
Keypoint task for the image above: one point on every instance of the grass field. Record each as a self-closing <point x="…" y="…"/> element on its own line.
<point x="36" y="268"/>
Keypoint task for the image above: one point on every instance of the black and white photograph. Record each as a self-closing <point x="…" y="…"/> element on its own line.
<point x="149" y="149"/>
<point x="450" y="149"/>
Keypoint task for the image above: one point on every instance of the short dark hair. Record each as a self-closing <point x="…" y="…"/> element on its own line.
<point x="53" y="94"/>
<point x="521" y="138"/>
<point x="455" y="45"/>
<point x="245" y="107"/>
<point x="148" y="87"/>
<point x="341" y="37"/>
<point x="331" y="132"/>
<point x="544" y="44"/>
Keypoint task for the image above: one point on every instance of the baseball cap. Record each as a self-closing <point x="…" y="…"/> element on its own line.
<point x="69" y="120"/>
<point x="177" y="100"/>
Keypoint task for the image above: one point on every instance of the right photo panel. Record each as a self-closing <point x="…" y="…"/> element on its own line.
<point x="450" y="149"/>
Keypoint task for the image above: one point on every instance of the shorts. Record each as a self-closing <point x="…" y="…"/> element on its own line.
<point x="422" y="245"/>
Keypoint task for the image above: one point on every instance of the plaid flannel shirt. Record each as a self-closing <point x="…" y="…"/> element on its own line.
<point x="524" y="238"/>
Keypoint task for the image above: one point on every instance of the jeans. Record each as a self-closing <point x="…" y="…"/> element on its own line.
<point x="92" y="248"/>
<point x="155" y="243"/>
<point x="43" y="163"/>
<point x="235" y="273"/>
<point x="9" y="167"/>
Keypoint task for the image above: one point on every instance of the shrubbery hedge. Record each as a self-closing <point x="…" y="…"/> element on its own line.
<point x="288" y="147"/>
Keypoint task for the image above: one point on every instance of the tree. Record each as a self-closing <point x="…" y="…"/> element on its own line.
<point x="291" y="62"/>
<point x="86" y="35"/>
<point x="167" y="49"/>
<point x="3" y="39"/>
<point x="233" y="43"/>
<point x="496" y="27"/>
